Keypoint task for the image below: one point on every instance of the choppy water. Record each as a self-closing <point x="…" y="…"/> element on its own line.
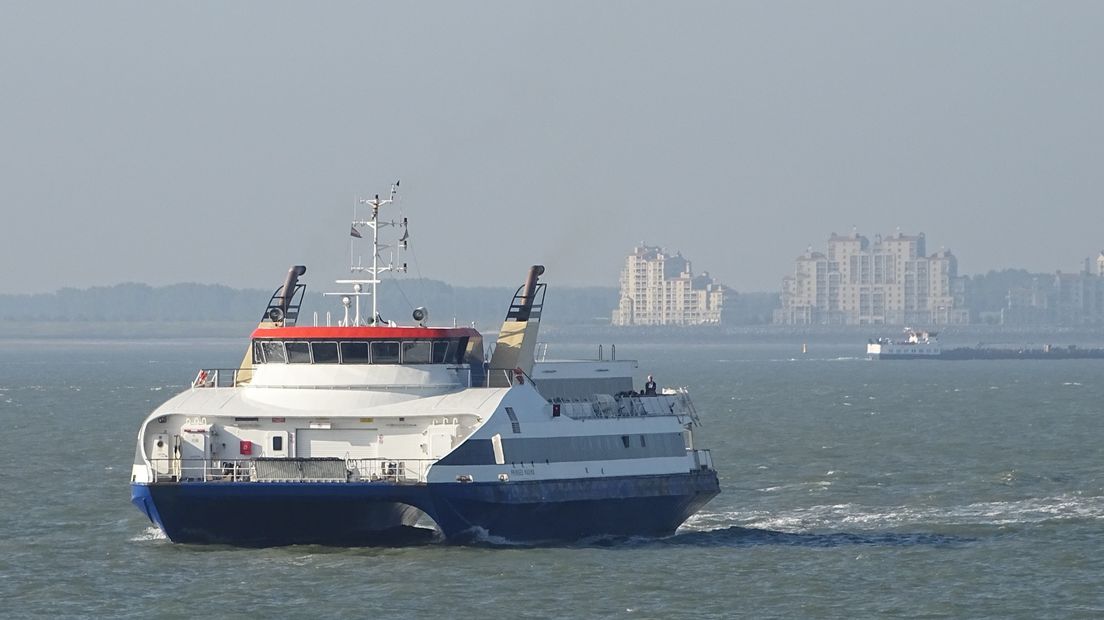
<point x="850" y="489"/>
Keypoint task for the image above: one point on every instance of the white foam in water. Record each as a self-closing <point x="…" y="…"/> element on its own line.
<point x="479" y="534"/>
<point x="150" y="533"/>
<point x="853" y="516"/>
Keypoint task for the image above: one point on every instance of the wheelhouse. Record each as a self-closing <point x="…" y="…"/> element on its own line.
<point x="367" y="345"/>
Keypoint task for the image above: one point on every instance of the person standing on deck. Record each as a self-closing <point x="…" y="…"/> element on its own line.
<point x="650" y="387"/>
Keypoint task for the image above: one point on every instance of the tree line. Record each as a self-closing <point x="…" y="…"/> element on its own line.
<point x="485" y="306"/>
<point x="213" y="302"/>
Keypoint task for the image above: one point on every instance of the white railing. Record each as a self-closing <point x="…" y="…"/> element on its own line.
<point x="410" y="471"/>
<point x="702" y="459"/>
<point x="398" y="471"/>
<point x="605" y="406"/>
<point x="233" y="377"/>
<point x="222" y="377"/>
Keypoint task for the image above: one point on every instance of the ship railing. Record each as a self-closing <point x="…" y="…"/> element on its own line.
<point x="291" y="469"/>
<point x="702" y="458"/>
<point x="222" y="377"/>
<point x="400" y="471"/>
<point x="201" y="470"/>
<point x="627" y="405"/>
<point x="685" y="403"/>
<point x="495" y="377"/>
<point x="505" y="377"/>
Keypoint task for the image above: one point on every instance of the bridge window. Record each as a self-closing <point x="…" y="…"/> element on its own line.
<point x="298" y="352"/>
<point x="385" y="352"/>
<point x="444" y="351"/>
<point x="324" y="352"/>
<point x="354" y="352"/>
<point x="417" y="352"/>
<point x="436" y="351"/>
<point x="273" y="351"/>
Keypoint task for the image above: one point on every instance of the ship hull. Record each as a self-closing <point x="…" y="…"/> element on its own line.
<point x="568" y="510"/>
<point x="275" y="513"/>
<point x="374" y="514"/>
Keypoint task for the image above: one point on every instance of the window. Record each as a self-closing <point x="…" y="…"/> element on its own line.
<point x="277" y="444"/>
<point x="417" y="352"/>
<point x="298" y="352"/>
<point x="385" y="352"/>
<point x="324" y="352"/>
<point x="444" y="351"/>
<point x="354" y="352"/>
<point x="258" y="353"/>
<point x="514" y="424"/>
<point x="273" y="351"/>
<point x="625" y="440"/>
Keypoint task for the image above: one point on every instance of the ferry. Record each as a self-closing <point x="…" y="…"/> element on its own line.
<point x="925" y="345"/>
<point x="916" y="344"/>
<point x="366" y="432"/>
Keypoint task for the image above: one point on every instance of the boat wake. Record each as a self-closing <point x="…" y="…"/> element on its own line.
<point x="1061" y="508"/>
<point x="735" y="536"/>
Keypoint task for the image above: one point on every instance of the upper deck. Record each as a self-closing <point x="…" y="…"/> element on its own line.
<point x="366" y="345"/>
<point x="367" y="357"/>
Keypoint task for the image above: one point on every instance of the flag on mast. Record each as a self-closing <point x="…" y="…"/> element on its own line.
<point x="354" y="232"/>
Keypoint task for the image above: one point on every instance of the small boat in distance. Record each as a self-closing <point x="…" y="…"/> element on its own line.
<point x="919" y="344"/>
<point x="360" y="432"/>
<point x="916" y="344"/>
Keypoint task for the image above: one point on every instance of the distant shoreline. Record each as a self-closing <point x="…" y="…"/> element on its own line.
<point x="963" y="335"/>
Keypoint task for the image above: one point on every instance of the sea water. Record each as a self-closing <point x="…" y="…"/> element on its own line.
<point x="850" y="488"/>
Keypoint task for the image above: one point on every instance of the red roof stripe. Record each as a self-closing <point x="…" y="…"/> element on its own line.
<point x="344" y="333"/>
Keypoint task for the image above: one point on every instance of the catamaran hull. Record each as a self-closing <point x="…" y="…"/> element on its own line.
<point x="373" y="513"/>
<point x="568" y="510"/>
<point x="274" y="513"/>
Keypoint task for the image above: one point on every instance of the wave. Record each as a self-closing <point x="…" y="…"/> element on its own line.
<point x="150" y="533"/>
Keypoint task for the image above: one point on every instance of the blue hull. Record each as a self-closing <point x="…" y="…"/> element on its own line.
<point x="377" y="513"/>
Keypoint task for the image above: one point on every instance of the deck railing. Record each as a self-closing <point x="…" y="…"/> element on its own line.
<point x="222" y="377"/>
<point x="234" y="377"/>
<point x="398" y="471"/>
<point x="702" y="459"/>
<point x="604" y="406"/>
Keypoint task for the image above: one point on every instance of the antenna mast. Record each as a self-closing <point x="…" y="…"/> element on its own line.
<point x="377" y="268"/>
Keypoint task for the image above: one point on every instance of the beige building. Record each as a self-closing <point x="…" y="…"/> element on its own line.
<point x="891" y="281"/>
<point x="660" y="289"/>
<point x="1064" y="299"/>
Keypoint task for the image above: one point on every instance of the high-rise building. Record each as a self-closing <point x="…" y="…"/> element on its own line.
<point x="660" y="289"/>
<point x="1064" y="299"/>
<point x="891" y="281"/>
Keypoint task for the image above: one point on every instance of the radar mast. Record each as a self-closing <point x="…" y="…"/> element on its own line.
<point x="377" y="267"/>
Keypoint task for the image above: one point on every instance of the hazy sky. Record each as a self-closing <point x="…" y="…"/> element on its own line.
<point x="222" y="142"/>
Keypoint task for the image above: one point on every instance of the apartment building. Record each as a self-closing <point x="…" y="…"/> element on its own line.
<point x="658" y="288"/>
<point x="892" y="281"/>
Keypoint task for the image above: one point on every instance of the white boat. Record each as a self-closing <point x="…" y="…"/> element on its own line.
<point x="356" y="433"/>
<point x="916" y="344"/>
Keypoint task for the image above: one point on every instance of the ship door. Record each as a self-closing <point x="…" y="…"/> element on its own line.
<point x="160" y="455"/>
<point x="277" y="444"/>
<point x="441" y="438"/>
<point x="195" y="451"/>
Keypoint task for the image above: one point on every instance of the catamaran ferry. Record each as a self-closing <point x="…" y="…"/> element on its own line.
<point x="355" y="433"/>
